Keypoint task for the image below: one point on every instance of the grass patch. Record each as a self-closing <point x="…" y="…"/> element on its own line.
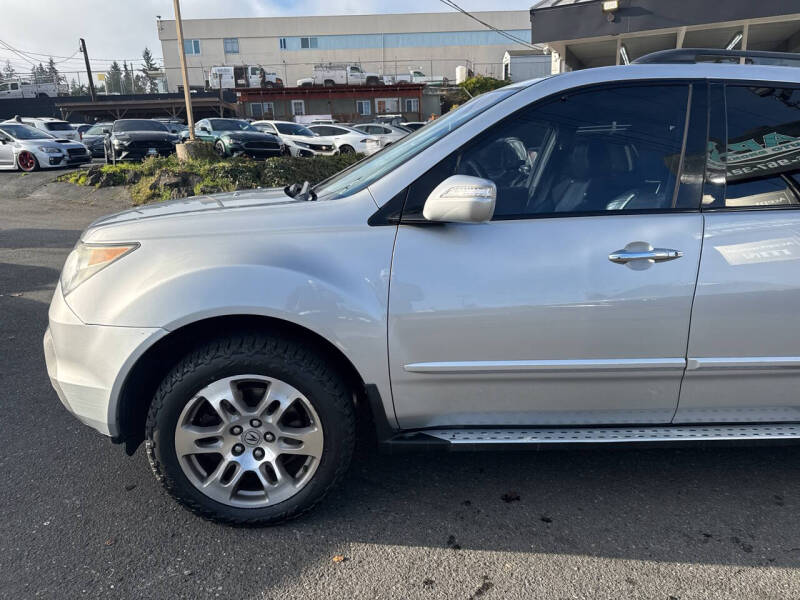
<point x="157" y="178"/>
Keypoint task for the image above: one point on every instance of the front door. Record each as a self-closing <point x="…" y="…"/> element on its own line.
<point x="572" y="306"/>
<point x="744" y="347"/>
<point x="6" y="151"/>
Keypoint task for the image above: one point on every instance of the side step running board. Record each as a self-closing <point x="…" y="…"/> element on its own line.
<point x="471" y="439"/>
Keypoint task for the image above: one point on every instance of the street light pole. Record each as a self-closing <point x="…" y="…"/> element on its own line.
<point x="181" y="53"/>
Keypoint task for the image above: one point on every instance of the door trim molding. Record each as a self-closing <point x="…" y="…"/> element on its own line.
<point x="548" y="366"/>
<point x="746" y="362"/>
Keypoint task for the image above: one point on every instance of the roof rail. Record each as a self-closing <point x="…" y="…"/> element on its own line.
<point x="697" y="55"/>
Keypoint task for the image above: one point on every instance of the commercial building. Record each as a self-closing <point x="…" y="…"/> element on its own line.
<point x="435" y="43"/>
<point x="350" y="104"/>
<point x="591" y="33"/>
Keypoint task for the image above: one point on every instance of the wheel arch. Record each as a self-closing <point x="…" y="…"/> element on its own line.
<point x="143" y="378"/>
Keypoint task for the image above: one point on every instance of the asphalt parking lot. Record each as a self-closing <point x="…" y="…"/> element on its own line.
<point x="81" y="519"/>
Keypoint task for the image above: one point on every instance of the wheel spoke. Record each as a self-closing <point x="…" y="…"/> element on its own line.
<point x="215" y="394"/>
<point x="306" y="441"/>
<point x="215" y="479"/>
<point x="284" y="394"/>
<point x="187" y="436"/>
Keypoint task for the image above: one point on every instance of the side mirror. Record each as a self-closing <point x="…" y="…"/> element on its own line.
<point x="461" y="199"/>
<point x="106" y="131"/>
<point x="204" y="129"/>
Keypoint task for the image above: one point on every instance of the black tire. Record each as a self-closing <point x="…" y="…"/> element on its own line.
<point x="329" y="83"/>
<point x="346" y="149"/>
<point x="219" y="148"/>
<point x="275" y="356"/>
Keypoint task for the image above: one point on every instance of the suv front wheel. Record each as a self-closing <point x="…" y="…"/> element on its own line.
<point x="251" y="429"/>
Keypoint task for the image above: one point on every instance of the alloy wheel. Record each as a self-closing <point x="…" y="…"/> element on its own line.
<point x="249" y="441"/>
<point x="26" y="161"/>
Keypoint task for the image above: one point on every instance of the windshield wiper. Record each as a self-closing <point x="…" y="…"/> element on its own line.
<point x="300" y="191"/>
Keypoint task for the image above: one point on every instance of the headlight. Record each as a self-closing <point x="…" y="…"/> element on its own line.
<point x="49" y="150"/>
<point x="121" y="141"/>
<point x="87" y="259"/>
<point x="301" y="144"/>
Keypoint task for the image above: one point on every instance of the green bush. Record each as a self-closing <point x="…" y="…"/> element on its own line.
<point x="158" y="178"/>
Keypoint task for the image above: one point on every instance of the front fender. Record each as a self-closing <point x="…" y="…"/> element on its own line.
<point x="333" y="282"/>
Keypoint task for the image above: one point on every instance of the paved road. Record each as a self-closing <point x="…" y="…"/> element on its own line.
<point x="81" y="519"/>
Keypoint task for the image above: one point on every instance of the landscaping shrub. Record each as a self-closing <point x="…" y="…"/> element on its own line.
<point x="157" y="178"/>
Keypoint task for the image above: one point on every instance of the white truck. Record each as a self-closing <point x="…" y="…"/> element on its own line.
<point x="414" y="76"/>
<point x="251" y="76"/>
<point x="19" y="88"/>
<point x="330" y="74"/>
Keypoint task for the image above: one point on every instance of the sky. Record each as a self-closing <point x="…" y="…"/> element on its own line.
<point x="120" y="29"/>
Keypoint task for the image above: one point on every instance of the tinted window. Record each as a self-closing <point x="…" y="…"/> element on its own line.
<point x="138" y="125"/>
<point x="24" y="132"/>
<point x="597" y="151"/>
<point x="98" y="129"/>
<point x="58" y="127"/>
<point x="230" y="125"/>
<point x="762" y="158"/>
<point x="293" y="129"/>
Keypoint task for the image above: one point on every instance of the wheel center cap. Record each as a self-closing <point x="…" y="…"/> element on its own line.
<point x="251" y="437"/>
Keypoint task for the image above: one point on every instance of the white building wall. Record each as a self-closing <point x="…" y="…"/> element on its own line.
<point x="434" y="42"/>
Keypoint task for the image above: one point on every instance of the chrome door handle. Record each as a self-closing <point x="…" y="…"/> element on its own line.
<point x="624" y="256"/>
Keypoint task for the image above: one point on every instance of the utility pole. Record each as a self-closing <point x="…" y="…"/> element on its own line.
<point x="187" y="95"/>
<point x="88" y="70"/>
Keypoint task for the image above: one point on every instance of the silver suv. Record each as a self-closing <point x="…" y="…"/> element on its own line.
<point x="609" y="255"/>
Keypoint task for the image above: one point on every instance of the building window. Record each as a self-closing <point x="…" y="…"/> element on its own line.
<point x="387" y="105"/>
<point x="191" y="47"/>
<point x="231" y="45"/>
<point x="298" y="108"/>
<point x="308" y="42"/>
<point x="282" y="43"/>
<point x="363" y="107"/>
<point x="256" y="110"/>
<point x="269" y="110"/>
<point x="412" y="105"/>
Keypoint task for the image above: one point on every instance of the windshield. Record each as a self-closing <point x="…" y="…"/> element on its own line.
<point x="366" y="172"/>
<point x="59" y="126"/>
<point x="98" y="129"/>
<point x="138" y="125"/>
<point x="23" y="132"/>
<point x="230" y="125"/>
<point x="294" y="129"/>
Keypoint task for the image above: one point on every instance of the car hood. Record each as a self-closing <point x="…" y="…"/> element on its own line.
<point x="49" y="142"/>
<point x="199" y="204"/>
<point x="245" y="136"/>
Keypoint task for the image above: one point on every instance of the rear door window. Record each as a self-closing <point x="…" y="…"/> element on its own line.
<point x="761" y="159"/>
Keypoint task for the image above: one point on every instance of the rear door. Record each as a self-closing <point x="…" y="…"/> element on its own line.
<point x="744" y="345"/>
<point x="572" y="305"/>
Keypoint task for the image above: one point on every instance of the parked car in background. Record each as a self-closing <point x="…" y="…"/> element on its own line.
<point x="56" y="127"/>
<point x="236" y="137"/>
<point x="94" y="139"/>
<point x="298" y="139"/>
<point x="81" y="128"/>
<point x="330" y="74"/>
<point x="385" y="134"/>
<point x="347" y="139"/>
<point x="412" y="125"/>
<point x="135" y="139"/>
<point x="28" y="148"/>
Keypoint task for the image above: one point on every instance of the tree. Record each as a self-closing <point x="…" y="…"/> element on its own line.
<point x="52" y="72"/>
<point x="114" y="78"/>
<point x="9" y="72"/>
<point x="149" y="65"/>
<point x="39" y="74"/>
<point x="127" y="79"/>
<point x="479" y="84"/>
<point x="78" y="89"/>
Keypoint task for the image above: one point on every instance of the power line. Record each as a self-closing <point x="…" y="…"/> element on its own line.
<point x="505" y="34"/>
